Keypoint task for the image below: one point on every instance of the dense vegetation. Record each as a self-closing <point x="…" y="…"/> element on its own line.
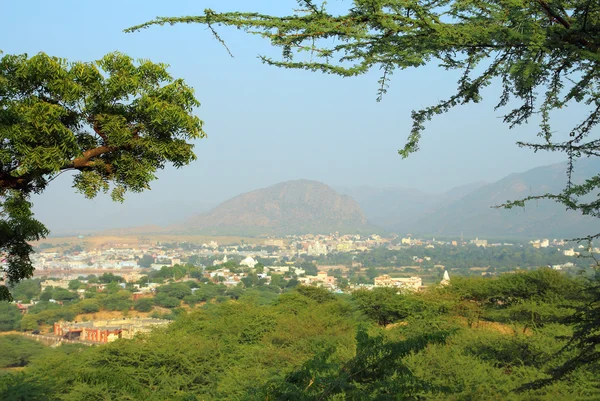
<point x="168" y="299"/>
<point x="478" y="339"/>
<point x="502" y="258"/>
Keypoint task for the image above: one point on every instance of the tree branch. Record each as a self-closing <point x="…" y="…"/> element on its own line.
<point x="100" y="133"/>
<point x="553" y="14"/>
<point x="85" y="159"/>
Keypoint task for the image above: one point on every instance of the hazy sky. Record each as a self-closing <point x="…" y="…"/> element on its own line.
<point x="265" y="125"/>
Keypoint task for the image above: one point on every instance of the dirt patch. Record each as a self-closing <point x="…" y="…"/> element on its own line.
<point x="502" y="328"/>
<point x="110" y="315"/>
<point x="495" y="326"/>
<point x="393" y="325"/>
<point x="17" y="369"/>
<point x="135" y="240"/>
<point x="9" y="333"/>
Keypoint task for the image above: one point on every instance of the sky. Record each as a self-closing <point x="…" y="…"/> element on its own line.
<point x="265" y="125"/>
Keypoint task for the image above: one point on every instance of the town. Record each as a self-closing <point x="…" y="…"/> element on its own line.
<point x="148" y="281"/>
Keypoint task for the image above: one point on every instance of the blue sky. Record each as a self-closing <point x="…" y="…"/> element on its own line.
<point x="265" y="125"/>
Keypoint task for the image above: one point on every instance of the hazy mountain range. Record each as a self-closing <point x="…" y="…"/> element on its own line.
<point x="302" y="206"/>
<point x="312" y="207"/>
<point x="397" y="208"/>
<point x="473" y="214"/>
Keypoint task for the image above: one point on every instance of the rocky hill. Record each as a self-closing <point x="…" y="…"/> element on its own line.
<point x="292" y="207"/>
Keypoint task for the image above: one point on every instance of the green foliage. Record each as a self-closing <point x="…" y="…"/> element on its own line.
<point x="377" y="371"/>
<point x="46" y="295"/>
<point x="309" y="344"/>
<point x="166" y="301"/>
<point x="585" y="340"/>
<point x="60" y="294"/>
<point x="143" y="305"/>
<point x="120" y="300"/>
<point x="108" y="278"/>
<point x="176" y="290"/>
<point x="146" y="261"/>
<point x="74" y="285"/>
<point x="277" y="280"/>
<point x="386" y="305"/>
<point x="26" y="290"/>
<point x="170" y="272"/>
<point x="317" y="294"/>
<point x="241" y="346"/>
<point x="88" y="306"/>
<point x="42" y="306"/>
<point x="17" y="351"/>
<point x="309" y="268"/>
<point x="17" y="229"/>
<point x="543" y="284"/>
<point x="34" y="320"/>
<point x="113" y="121"/>
<point x="10" y="317"/>
<point x="18" y="387"/>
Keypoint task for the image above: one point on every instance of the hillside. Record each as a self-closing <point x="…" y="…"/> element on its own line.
<point x="474" y="216"/>
<point x="292" y="207"/>
<point x="390" y="208"/>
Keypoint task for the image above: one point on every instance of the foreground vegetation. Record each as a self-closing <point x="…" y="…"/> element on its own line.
<point x="480" y="339"/>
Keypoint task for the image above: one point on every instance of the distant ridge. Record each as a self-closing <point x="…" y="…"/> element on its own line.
<point x="391" y="208"/>
<point x="292" y="207"/>
<point x="469" y="209"/>
<point x="311" y="207"/>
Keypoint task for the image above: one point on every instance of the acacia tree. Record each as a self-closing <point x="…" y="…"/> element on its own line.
<point x="544" y="53"/>
<point x="113" y="122"/>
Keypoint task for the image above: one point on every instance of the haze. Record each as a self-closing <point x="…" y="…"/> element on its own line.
<point x="265" y="125"/>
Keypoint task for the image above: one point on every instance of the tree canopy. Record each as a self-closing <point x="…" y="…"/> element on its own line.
<point x="308" y="344"/>
<point x="545" y="54"/>
<point x="113" y="122"/>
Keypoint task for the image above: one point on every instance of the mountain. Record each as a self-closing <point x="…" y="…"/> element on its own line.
<point x="391" y="208"/>
<point x="473" y="214"/>
<point x="292" y="207"/>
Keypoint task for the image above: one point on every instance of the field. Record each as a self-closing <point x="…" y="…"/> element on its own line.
<point x="128" y="241"/>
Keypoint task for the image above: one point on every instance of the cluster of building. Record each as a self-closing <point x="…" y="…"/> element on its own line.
<point x="105" y="331"/>
<point x="116" y="256"/>
<point x="412" y="283"/>
<point x="124" y="256"/>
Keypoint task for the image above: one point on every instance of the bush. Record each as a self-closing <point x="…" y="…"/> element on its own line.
<point x="17" y="351"/>
<point x="10" y="317"/>
<point x="175" y="290"/>
<point x="143" y="305"/>
<point x="120" y="300"/>
<point x="88" y="306"/>
<point x="166" y="301"/>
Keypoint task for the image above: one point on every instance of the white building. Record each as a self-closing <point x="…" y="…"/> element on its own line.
<point x="479" y="242"/>
<point x="249" y="262"/>
<point x="220" y="262"/>
<point x="412" y="283"/>
<point x="317" y="249"/>
<point x="446" y="279"/>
